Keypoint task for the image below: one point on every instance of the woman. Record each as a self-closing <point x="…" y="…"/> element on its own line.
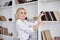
<point x="23" y="26"/>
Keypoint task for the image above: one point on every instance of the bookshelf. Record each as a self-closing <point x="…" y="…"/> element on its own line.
<point x="44" y="1"/>
<point x="9" y="12"/>
<point x="49" y="6"/>
<point x="30" y="3"/>
<point x="8" y="37"/>
<point x="53" y="27"/>
<point x="33" y="9"/>
<point x="4" y="4"/>
<point x="30" y="12"/>
<point x="6" y="11"/>
<point x="5" y="7"/>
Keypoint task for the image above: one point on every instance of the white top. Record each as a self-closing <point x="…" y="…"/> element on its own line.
<point x="24" y="28"/>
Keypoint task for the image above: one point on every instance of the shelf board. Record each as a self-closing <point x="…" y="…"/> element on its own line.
<point x="7" y="21"/>
<point x="29" y="3"/>
<point x="45" y="1"/>
<point x="6" y="7"/>
<point x="40" y="21"/>
<point x="7" y="36"/>
<point x="51" y="21"/>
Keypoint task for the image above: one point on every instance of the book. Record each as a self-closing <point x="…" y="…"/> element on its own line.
<point x="1" y="38"/>
<point x="43" y="36"/>
<point x="10" y="3"/>
<point x="48" y="16"/>
<point x="57" y="15"/>
<point x="1" y="30"/>
<point x="3" y="18"/>
<point x="46" y="35"/>
<point x="53" y="16"/>
<point x="34" y="0"/>
<point x="16" y="1"/>
<point x="56" y="38"/>
<point x="22" y="1"/>
<point x="44" y="17"/>
<point x="10" y="34"/>
<point x="5" y="31"/>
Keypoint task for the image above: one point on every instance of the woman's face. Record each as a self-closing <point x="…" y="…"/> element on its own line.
<point x="22" y="14"/>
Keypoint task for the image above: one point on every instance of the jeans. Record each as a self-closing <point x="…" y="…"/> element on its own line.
<point x="28" y="38"/>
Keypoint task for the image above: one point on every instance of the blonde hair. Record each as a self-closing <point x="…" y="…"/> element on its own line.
<point x="17" y="13"/>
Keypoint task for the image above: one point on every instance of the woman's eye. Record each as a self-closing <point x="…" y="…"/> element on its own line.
<point x="21" y="12"/>
<point x="25" y="13"/>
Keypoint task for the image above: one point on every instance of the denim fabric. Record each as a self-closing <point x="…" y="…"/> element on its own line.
<point x="28" y="38"/>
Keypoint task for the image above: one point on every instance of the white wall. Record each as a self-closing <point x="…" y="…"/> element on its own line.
<point x="49" y="6"/>
<point x="31" y="9"/>
<point x="54" y="28"/>
<point x="11" y="27"/>
<point x="0" y="12"/>
<point x="47" y="0"/>
<point x="4" y="1"/>
<point x="7" y="12"/>
<point x="0" y="23"/>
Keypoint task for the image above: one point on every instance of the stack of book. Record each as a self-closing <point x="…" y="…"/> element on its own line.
<point x="23" y="1"/>
<point x="50" y="16"/>
<point x="56" y="38"/>
<point x="4" y="31"/>
<point x="46" y="35"/>
<point x="3" y="18"/>
<point x="1" y="38"/>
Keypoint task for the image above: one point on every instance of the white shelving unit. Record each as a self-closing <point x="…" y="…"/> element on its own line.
<point x="2" y="3"/>
<point x="10" y="11"/>
<point x="53" y="26"/>
<point x="33" y="9"/>
<point x="49" y="6"/>
<point x="7" y="12"/>
<point x="30" y="3"/>
<point x="8" y="37"/>
<point x="42" y="1"/>
<point x="6" y="7"/>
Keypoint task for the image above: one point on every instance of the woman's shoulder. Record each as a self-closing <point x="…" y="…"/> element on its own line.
<point x="18" y="21"/>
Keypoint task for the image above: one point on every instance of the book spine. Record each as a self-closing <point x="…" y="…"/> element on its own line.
<point x="57" y="15"/>
<point x="44" y="35"/>
<point x="41" y="36"/>
<point x="53" y="16"/>
<point x="48" y="16"/>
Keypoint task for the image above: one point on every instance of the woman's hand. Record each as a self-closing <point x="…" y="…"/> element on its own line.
<point x="41" y="15"/>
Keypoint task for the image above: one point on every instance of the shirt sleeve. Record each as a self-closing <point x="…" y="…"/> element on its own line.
<point x="32" y="23"/>
<point x="25" y="28"/>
